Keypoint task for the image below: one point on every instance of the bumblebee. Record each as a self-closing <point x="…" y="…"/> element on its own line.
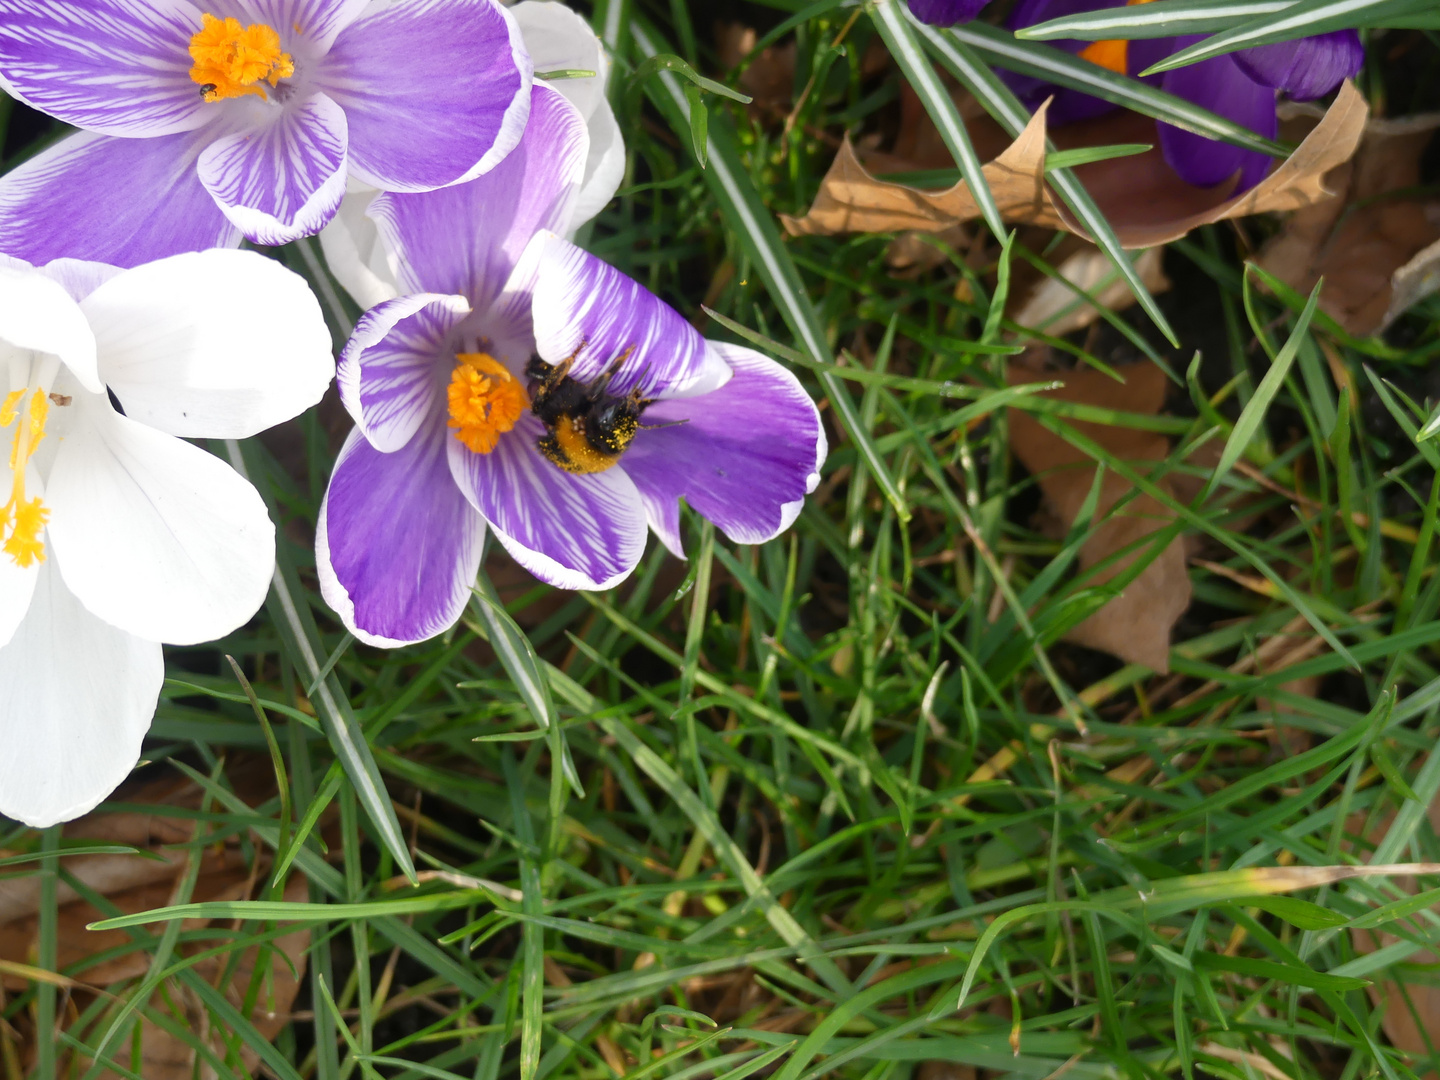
<point x="586" y="427"/>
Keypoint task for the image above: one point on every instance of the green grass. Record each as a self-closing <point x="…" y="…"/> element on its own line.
<point x="842" y="804"/>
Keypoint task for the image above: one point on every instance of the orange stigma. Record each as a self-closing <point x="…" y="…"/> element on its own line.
<point x="231" y="60"/>
<point x="485" y="401"/>
<point x="1112" y="54"/>
<point x="22" y="519"/>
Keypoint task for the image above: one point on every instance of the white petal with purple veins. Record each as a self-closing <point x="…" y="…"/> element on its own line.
<point x="744" y="457"/>
<point x="588" y="311"/>
<point x="398" y="546"/>
<point x="110" y="66"/>
<point x="117" y="201"/>
<point x="284" y="180"/>
<point x="76" y="698"/>
<point x="437" y="91"/>
<point x="211" y="344"/>
<point x="393" y="369"/>
<point x="318" y="21"/>
<point x="574" y="532"/>
<point x="559" y="39"/>
<point x="466" y="239"/>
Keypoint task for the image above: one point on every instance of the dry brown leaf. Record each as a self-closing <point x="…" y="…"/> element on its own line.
<point x="1143" y="199"/>
<point x="770" y="78"/>
<point x="1054" y="308"/>
<point x="1378" y="245"/>
<point x="1135" y="626"/>
<point x="134" y="883"/>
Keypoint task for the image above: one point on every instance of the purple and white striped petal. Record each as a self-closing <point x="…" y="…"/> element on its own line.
<point x="560" y="38"/>
<point x="117" y="201"/>
<point x="1307" y="68"/>
<point x="587" y="310"/>
<point x="1219" y="85"/>
<point x="573" y="532"/>
<point x="392" y="370"/>
<point x="745" y="456"/>
<point x="436" y="91"/>
<point x="397" y="547"/>
<point x="282" y="181"/>
<point x="317" y="21"/>
<point x="467" y="238"/>
<point x="119" y="67"/>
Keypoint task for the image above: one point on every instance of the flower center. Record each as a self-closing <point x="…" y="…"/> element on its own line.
<point x="22" y="519"/>
<point x="485" y="401"/>
<point x="1112" y="54"/>
<point x="231" y="60"/>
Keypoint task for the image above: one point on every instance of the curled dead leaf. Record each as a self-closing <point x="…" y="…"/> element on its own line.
<point x="1054" y="307"/>
<point x="1378" y="245"/>
<point x="1142" y="198"/>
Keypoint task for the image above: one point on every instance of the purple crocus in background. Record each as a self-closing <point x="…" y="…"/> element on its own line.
<point x="946" y="12"/>
<point x="444" y="382"/>
<point x="1239" y="86"/>
<point x="200" y="124"/>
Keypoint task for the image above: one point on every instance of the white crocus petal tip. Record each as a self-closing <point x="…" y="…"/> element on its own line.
<point x="355" y="253"/>
<point x="212" y="344"/>
<point x="71" y="719"/>
<point x="38" y="314"/>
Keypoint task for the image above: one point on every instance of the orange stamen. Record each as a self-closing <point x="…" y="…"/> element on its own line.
<point x="231" y="60"/>
<point x="485" y="401"/>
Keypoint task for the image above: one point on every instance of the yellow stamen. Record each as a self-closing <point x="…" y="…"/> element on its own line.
<point x="1112" y="54"/>
<point x="22" y="519"/>
<point x="485" y="401"/>
<point x="231" y="60"/>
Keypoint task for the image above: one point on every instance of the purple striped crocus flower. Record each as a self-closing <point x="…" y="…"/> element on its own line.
<point x="204" y="122"/>
<point x="1239" y="86"/>
<point x="523" y="385"/>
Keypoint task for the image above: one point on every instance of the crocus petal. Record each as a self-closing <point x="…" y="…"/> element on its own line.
<point x="284" y="180"/>
<point x="587" y="310"/>
<point x="745" y="456"/>
<point x="946" y="12"/>
<point x="78" y="277"/>
<point x="117" y="201"/>
<point x="211" y="344"/>
<point x="111" y="66"/>
<point x="467" y="239"/>
<point x="391" y="370"/>
<point x="574" y="532"/>
<point x="76" y="698"/>
<point x="354" y="253"/>
<point x="37" y="314"/>
<point x="317" y="21"/>
<point x="1066" y="106"/>
<point x="1307" y="68"/>
<point x="1220" y="86"/>
<point x="153" y="534"/>
<point x="398" y="546"/>
<point x="437" y="91"/>
<point x="17" y="583"/>
<point x="559" y="39"/>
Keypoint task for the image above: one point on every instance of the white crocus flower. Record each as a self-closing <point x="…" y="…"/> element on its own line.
<point x="558" y="39"/>
<point x="115" y="533"/>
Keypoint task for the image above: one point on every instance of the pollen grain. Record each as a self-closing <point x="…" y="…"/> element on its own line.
<point x="232" y="60"/>
<point x="485" y="401"/>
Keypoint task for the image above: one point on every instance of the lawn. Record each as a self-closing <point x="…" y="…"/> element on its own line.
<point x="1080" y="725"/>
